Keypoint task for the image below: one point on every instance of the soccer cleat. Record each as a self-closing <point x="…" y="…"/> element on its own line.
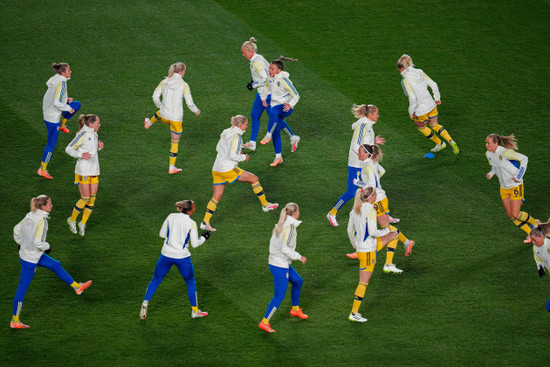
<point x="174" y="170"/>
<point x="266" y="139"/>
<point x="455" y="147"/>
<point x="81" y="229"/>
<point x="72" y="225"/>
<point x="143" y="312"/>
<point x="294" y="140"/>
<point x="332" y="220"/>
<point x="392" y="269"/>
<point x="207" y="227"/>
<point x="18" y="325"/>
<point x="266" y="327"/>
<point x="394" y="220"/>
<point x="299" y="313"/>
<point x="63" y="129"/>
<point x="269" y="207"/>
<point x="408" y="249"/>
<point x="44" y="174"/>
<point x="356" y="317"/>
<point x="439" y="147"/>
<point x="147" y="123"/>
<point x="276" y="162"/>
<point x="83" y="287"/>
<point x="198" y="314"/>
<point x="251" y="145"/>
<point x="353" y="256"/>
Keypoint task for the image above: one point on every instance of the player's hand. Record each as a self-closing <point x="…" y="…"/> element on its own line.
<point x="86" y="156"/>
<point x="264" y="103"/>
<point x="303" y="259"/>
<point x="515" y="179"/>
<point x="246" y="157"/>
<point x="69" y="100"/>
<point x="438" y="102"/>
<point x="489" y="176"/>
<point x="100" y="145"/>
<point x="379" y="140"/>
<point x="206" y="235"/>
<point x="287" y="107"/>
<point x="541" y="271"/>
<point x="411" y="116"/>
<point x="198" y="113"/>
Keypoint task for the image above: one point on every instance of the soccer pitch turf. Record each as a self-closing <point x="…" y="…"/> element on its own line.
<point x="469" y="294"/>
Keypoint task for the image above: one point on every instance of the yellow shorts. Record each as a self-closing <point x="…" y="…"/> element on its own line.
<point x="515" y="193"/>
<point x="175" y="126"/>
<point x="367" y="260"/>
<point x="382" y="207"/>
<point x="221" y="178"/>
<point x="423" y="118"/>
<point x="85" y="179"/>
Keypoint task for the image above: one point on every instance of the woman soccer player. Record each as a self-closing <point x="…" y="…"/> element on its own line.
<point x="30" y="233"/>
<point x="259" y="69"/>
<point x="283" y="99"/>
<point x="422" y="106"/>
<point x="85" y="147"/>
<point x="225" y="169"/>
<point x="541" y="250"/>
<point x="371" y="174"/>
<point x="282" y="251"/>
<point x="173" y="89"/>
<point x="57" y="108"/>
<point x="367" y="240"/>
<point x="178" y="230"/>
<point x="363" y="133"/>
<point x="509" y="166"/>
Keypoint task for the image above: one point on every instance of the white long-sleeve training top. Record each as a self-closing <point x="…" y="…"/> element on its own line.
<point x="55" y="98"/>
<point x="542" y="254"/>
<point x="229" y="150"/>
<point x="415" y="85"/>
<point x="363" y="133"/>
<point x="30" y="233"/>
<point x="282" y="90"/>
<point x="178" y="231"/>
<point x="282" y="247"/>
<point x="507" y="164"/>
<point x="85" y="141"/>
<point x="259" y="68"/>
<point x="173" y="90"/>
<point x="371" y="174"/>
<point x="363" y="230"/>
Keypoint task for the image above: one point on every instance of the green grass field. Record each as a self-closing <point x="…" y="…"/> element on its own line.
<point x="470" y="294"/>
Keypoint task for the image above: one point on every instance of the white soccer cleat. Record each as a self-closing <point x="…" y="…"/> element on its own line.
<point x="294" y="140"/>
<point x="81" y="229"/>
<point x="72" y="225"/>
<point x="394" y="220"/>
<point x="270" y="207"/>
<point x="251" y="145"/>
<point x="356" y="317"/>
<point x="143" y="311"/>
<point x="207" y="227"/>
<point x="392" y="269"/>
<point x="198" y="314"/>
<point x="439" y="147"/>
<point x="332" y="220"/>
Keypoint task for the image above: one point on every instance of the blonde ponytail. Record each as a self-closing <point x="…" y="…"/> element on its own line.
<point x="289" y="209"/>
<point x="38" y="202"/>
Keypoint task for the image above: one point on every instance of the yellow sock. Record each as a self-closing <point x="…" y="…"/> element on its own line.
<point x="442" y="132"/>
<point x="43" y="166"/>
<point x="88" y="209"/>
<point x="63" y="121"/>
<point x="173" y="152"/>
<point x="80" y="204"/>
<point x="295" y="308"/>
<point x="391" y="251"/>
<point x="210" y="209"/>
<point x="259" y="191"/>
<point x="75" y="285"/>
<point x="156" y="117"/>
<point x="400" y="236"/>
<point x="359" y="294"/>
<point x="195" y="308"/>
<point x="429" y="134"/>
<point x="265" y="321"/>
<point x="525" y="222"/>
<point x="333" y="211"/>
